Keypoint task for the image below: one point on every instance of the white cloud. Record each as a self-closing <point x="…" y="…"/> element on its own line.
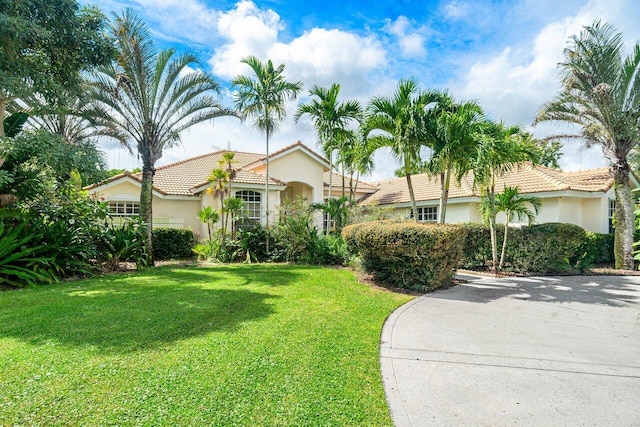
<point x="410" y="41"/>
<point x="455" y="10"/>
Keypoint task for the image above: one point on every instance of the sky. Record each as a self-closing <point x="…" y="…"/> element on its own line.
<point x="504" y="54"/>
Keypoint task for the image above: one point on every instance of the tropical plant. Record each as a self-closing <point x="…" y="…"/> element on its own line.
<point x="147" y="98"/>
<point x="219" y="186"/>
<point x="513" y="205"/>
<point x="208" y="216"/>
<point x="234" y="209"/>
<point x="337" y="210"/>
<point x="499" y="149"/>
<point x="458" y="127"/>
<point x="406" y="124"/>
<point x="331" y="120"/>
<point x="601" y="94"/>
<point x="226" y="162"/>
<point x="262" y="98"/>
<point x="124" y="242"/>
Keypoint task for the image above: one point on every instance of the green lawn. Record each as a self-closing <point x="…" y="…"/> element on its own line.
<point x="226" y="345"/>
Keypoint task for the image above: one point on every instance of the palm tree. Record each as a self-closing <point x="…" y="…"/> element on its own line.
<point x="499" y="149"/>
<point x="336" y="208"/>
<point x="406" y="125"/>
<point x="514" y="205"/>
<point x="331" y="119"/>
<point x="218" y="181"/>
<point x="226" y="162"/>
<point x="263" y="98"/>
<point x="601" y="94"/>
<point x="147" y="98"/>
<point x="458" y="126"/>
<point x="208" y="216"/>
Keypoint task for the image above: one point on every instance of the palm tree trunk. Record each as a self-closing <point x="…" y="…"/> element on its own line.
<point x="326" y="230"/>
<point x="492" y="229"/>
<point x="266" y="190"/>
<point x="445" y="196"/>
<point x="3" y="109"/>
<point x="624" y="216"/>
<point x="224" y="228"/>
<point x="343" y="183"/>
<point x="146" y="210"/>
<point x="352" y="194"/>
<point x="414" y="208"/>
<point x="504" y="240"/>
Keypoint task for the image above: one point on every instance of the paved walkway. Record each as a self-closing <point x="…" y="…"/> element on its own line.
<point x="516" y="351"/>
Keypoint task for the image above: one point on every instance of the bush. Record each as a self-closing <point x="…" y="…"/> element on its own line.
<point x="476" y="253"/>
<point x="124" y="242"/>
<point x="413" y="256"/>
<point x="538" y="249"/>
<point x="294" y="231"/>
<point x="173" y="243"/>
<point x="598" y="248"/>
<point x="327" y="250"/>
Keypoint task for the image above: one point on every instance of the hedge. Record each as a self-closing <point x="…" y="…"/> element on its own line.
<point x="408" y="255"/>
<point x="173" y="243"/>
<point x="538" y="249"/>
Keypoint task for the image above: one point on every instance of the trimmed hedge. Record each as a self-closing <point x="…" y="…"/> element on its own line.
<point x="538" y="249"/>
<point x="173" y="243"/>
<point x="413" y="256"/>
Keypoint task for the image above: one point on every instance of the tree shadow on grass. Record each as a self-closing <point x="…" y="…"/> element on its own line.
<point x="615" y="291"/>
<point x="136" y="311"/>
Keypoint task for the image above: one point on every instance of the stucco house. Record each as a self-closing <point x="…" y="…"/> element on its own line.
<point x="584" y="198"/>
<point x="180" y="189"/>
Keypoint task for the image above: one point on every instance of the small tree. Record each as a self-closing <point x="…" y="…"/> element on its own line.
<point x="208" y="216"/>
<point x="218" y="181"/>
<point x="513" y="205"/>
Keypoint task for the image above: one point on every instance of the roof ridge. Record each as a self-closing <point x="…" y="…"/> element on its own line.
<point x="537" y="169"/>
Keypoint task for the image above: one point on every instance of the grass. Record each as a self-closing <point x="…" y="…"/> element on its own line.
<point x="226" y="345"/>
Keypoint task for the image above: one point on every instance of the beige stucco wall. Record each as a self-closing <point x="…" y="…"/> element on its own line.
<point x="167" y="212"/>
<point x="298" y="167"/>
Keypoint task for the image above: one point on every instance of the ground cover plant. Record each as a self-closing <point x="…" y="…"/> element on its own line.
<point x="226" y="345"/>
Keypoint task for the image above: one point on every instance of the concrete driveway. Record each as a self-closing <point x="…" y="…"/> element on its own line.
<point x="524" y="351"/>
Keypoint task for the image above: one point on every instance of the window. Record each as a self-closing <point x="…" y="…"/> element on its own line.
<point x="426" y="214"/>
<point x="252" y="209"/>
<point x="124" y="208"/>
<point x="612" y="213"/>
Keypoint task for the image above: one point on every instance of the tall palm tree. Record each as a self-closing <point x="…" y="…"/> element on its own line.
<point x="226" y="162"/>
<point x="146" y="98"/>
<point x="406" y="124"/>
<point x="601" y="94"/>
<point x="262" y="98"/>
<point x="330" y="119"/>
<point x="513" y="205"/>
<point x="458" y="126"/>
<point x="499" y="149"/>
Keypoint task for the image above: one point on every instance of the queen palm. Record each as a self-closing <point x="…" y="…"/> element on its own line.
<point x="330" y="119"/>
<point x="146" y="98"/>
<point x="262" y="98"/>
<point x="406" y="124"/>
<point x="513" y="205"/>
<point x="601" y="94"/>
<point x="457" y="129"/>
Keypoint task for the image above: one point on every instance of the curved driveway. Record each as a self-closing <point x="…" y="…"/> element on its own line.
<point x="523" y="351"/>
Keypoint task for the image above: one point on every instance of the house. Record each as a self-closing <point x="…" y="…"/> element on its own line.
<point x="180" y="189"/>
<point x="584" y="198"/>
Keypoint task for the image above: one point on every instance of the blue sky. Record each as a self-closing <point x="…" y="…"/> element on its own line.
<point x="501" y="53"/>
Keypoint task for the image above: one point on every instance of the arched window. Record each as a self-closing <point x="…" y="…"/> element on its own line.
<point x="252" y="209"/>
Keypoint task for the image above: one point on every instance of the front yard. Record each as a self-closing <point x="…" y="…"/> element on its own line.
<point x="226" y="345"/>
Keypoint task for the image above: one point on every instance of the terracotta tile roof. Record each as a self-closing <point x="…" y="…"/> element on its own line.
<point x="180" y="178"/>
<point x="528" y="178"/>
<point x="337" y="182"/>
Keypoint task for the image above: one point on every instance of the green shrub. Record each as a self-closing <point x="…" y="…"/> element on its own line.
<point x="476" y="253"/>
<point x="124" y="242"/>
<point x="327" y="250"/>
<point x="546" y="249"/>
<point x="173" y="243"/>
<point x="24" y="260"/>
<point x="294" y="231"/>
<point x="598" y="248"/>
<point x="414" y="256"/>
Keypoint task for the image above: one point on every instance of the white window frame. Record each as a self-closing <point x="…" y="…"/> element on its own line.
<point x="426" y="213"/>
<point x="252" y="208"/>
<point x="124" y="207"/>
